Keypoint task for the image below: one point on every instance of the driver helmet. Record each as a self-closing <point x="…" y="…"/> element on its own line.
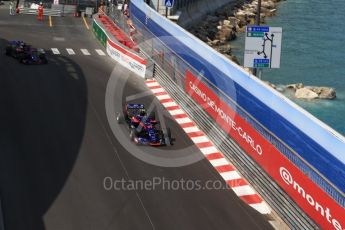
<point x="142" y="113"/>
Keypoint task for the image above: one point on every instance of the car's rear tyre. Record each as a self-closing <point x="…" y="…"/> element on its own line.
<point x="132" y="134"/>
<point x="168" y="137"/>
<point x="8" y="51"/>
<point x="44" y="60"/>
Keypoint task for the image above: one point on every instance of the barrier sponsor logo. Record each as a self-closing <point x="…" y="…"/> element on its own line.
<point x="324" y="211"/>
<point x="135" y="64"/>
<point x="311" y="198"/>
<point x="224" y="115"/>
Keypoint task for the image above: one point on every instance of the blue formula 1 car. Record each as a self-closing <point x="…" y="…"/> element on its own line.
<point x="143" y="129"/>
<point x="33" y="56"/>
<point x="25" y="54"/>
<point x="16" y="48"/>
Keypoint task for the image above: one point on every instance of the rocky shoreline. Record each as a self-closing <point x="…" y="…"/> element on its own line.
<point x="220" y="28"/>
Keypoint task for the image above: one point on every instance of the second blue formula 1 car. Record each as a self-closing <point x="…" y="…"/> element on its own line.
<point x="143" y="129"/>
<point x="25" y="54"/>
<point x="33" y="56"/>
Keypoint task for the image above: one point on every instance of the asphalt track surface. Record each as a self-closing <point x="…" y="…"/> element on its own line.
<point x="56" y="147"/>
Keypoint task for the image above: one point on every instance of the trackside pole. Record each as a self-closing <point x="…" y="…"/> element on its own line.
<point x="2" y="225"/>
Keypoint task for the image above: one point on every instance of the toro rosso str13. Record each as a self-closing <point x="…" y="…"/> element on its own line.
<point x="144" y="129"/>
<point x="25" y="54"/>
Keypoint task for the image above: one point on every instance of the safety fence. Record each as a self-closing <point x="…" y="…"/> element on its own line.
<point x="176" y="75"/>
<point x="2" y="224"/>
<point x="176" y="67"/>
<point x="46" y="12"/>
<point x="117" y="48"/>
<point x="295" y="179"/>
<point x="284" y="206"/>
<point x="168" y="71"/>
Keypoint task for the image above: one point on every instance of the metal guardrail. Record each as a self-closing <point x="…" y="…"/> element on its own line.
<point x="2" y="224"/>
<point x="172" y="79"/>
<point x="65" y="9"/>
<point x="46" y="12"/>
<point x="282" y="204"/>
<point x="153" y="46"/>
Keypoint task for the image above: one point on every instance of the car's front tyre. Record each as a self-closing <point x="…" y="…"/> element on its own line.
<point x="119" y="118"/>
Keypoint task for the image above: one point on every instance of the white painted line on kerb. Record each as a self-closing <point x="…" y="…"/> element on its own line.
<point x="201" y="139"/>
<point x="158" y="90"/>
<point x="243" y="190"/>
<point x="183" y="120"/>
<point x="176" y="112"/>
<point x="100" y="52"/>
<point x="55" y="51"/>
<point x="162" y="97"/>
<point x="169" y="104"/>
<point x="191" y="129"/>
<point x="85" y="51"/>
<point x="232" y="175"/>
<point x="219" y="162"/>
<point x="209" y="150"/>
<point x="151" y="84"/>
<point x="263" y="209"/>
<point x="70" y="51"/>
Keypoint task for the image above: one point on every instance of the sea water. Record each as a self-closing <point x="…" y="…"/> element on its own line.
<point x="313" y="53"/>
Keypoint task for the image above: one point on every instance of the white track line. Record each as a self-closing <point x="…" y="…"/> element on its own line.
<point x="219" y="162"/>
<point x="263" y="209"/>
<point x="85" y="52"/>
<point x="151" y="84"/>
<point x="176" y="112"/>
<point x="243" y="190"/>
<point x="100" y="52"/>
<point x="70" y="51"/>
<point x="162" y="97"/>
<point x="201" y="139"/>
<point x="209" y="150"/>
<point x="55" y="51"/>
<point x="191" y="129"/>
<point x="169" y="104"/>
<point x="183" y="120"/>
<point x="158" y="90"/>
<point x="230" y="175"/>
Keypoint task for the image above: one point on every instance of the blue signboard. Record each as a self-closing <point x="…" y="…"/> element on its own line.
<point x="261" y="61"/>
<point x="169" y="3"/>
<point x="258" y="29"/>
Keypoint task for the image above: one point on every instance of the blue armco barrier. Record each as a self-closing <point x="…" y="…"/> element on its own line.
<point x="314" y="141"/>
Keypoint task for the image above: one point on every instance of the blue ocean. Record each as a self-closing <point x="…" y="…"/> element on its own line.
<point x="313" y="52"/>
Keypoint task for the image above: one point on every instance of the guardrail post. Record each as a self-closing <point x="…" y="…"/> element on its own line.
<point x="2" y="225"/>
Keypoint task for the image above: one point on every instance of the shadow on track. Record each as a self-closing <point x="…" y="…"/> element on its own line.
<point x="42" y="119"/>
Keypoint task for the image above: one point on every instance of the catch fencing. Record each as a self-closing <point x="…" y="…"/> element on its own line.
<point x="170" y="70"/>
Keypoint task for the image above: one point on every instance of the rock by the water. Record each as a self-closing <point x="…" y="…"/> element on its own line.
<point x="328" y="93"/>
<point x="323" y="92"/>
<point x="295" y="86"/>
<point x="305" y="93"/>
<point x="221" y="27"/>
